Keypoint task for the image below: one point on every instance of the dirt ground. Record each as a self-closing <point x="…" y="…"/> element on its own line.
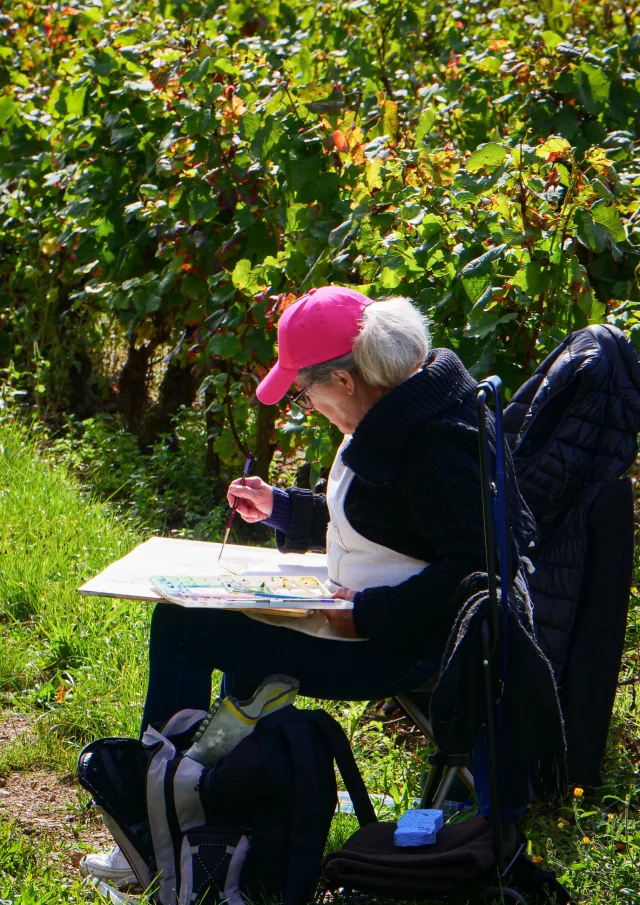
<point x="46" y="806"/>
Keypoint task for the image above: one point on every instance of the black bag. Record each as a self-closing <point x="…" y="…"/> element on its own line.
<point x="460" y="864"/>
<point x="254" y="826"/>
<point x="369" y="862"/>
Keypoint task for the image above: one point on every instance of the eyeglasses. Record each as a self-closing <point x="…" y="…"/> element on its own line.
<point x="302" y="400"/>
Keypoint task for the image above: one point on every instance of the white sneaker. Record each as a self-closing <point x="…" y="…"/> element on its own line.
<point x="111" y="866"/>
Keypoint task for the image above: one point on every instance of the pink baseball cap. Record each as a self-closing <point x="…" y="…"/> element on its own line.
<point x="321" y="325"/>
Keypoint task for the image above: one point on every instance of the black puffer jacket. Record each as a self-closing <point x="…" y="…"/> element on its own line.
<point x="572" y="428"/>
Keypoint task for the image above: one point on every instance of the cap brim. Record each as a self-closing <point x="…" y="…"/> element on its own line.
<point x="276" y="384"/>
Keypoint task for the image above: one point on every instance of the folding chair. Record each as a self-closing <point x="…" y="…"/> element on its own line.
<point x="368" y="861"/>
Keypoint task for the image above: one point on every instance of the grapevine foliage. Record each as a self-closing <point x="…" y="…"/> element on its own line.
<point x="173" y="175"/>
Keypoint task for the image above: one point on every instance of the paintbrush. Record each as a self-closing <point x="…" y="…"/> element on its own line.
<point x="247" y="466"/>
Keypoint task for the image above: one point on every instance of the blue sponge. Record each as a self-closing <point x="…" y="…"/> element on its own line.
<point x="418" y="827"/>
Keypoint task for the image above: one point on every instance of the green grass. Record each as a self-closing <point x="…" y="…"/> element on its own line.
<point x="78" y="661"/>
<point x="78" y="667"/>
<point x="28" y="875"/>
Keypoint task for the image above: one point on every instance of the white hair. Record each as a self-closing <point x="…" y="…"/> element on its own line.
<point x="392" y="344"/>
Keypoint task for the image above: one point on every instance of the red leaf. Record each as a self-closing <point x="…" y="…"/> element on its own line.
<point x="340" y="141"/>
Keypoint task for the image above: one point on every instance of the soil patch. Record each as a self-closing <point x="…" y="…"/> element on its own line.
<point x="12" y="725"/>
<point x="46" y="806"/>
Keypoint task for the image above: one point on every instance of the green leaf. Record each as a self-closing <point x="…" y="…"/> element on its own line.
<point x="515" y="236"/>
<point x="241" y="276"/>
<point x="551" y="39"/>
<point x="105" y="228"/>
<point x="489" y="64"/>
<point x="476" y="275"/>
<point x="553" y="145"/>
<point x="430" y="227"/>
<point x="634" y="336"/>
<point x="203" y="203"/>
<point x="532" y="279"/>
<point x="338" y="236"/>
<point x="464" y="198"/>
<point x="389" y="121"/>
<point x="486" y="157"/>
<point x="7" y="109"/>
<point x="477" y="283"/>
<point x="152" y="303"/>
<point x="588" y="232"/>
<point x="425" y="123"/>
<point x="223" y="446"/>
<point x="390" y="278"/>
<point x="592" y="86"/>
<point x="66" y="102"/>
<point x="602" y="189"/>
<point x="332" y="104"/>
<point x="594" y="310"/>
<point x="413" y="213"/>
<point x="102" y="64"/>
<point x="122" y="138"/>
<point x="224" y="345"/>
<point x="483" y="323"/>
<point x="249" y="125"/>
<point x="296" y="217"/>
<point x="266" y="138"/>
<point x="222" y="65"/>
<point x="609" y="219"/>
<point x="484" y="364"/>
<point x="204" y="68"/>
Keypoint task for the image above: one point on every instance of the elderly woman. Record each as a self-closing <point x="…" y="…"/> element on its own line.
<point x="401" y="521"/>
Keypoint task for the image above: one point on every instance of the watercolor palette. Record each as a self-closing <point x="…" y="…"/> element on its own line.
<point x="259" y="592"/>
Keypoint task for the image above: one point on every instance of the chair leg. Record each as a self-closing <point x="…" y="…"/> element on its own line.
<point x="414" y="713"/>
<point x="432" y="785"/>
<point x="445" y="785"/>
<point x="444" y="778"/>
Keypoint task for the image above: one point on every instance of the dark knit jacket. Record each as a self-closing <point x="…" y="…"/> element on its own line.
<point x="416" y="490"/>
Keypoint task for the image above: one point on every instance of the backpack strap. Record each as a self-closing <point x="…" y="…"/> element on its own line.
<point x="345" y="760"/>
<point x="307" y="836"/>
<point x="157" y="815"/>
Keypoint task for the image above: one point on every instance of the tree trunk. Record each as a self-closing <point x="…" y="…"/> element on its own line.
<point x="178" y="388"/>
<point x="212" y="461"/>
<point x="264" y="448"/>
<point x="77" y="390"/>
<point x="132" y="387"/>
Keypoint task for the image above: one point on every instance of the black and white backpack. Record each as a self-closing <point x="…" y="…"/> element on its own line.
<point x="253" y="827"/>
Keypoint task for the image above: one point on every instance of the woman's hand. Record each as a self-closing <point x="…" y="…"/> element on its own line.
<point x="341" y="621"/>
<point x="255" y="498"/>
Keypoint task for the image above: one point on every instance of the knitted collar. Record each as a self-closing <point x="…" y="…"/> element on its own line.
<point x="376" y="448"/>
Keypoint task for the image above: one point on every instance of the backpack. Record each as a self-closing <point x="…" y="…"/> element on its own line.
<point x="253" y="827"/>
